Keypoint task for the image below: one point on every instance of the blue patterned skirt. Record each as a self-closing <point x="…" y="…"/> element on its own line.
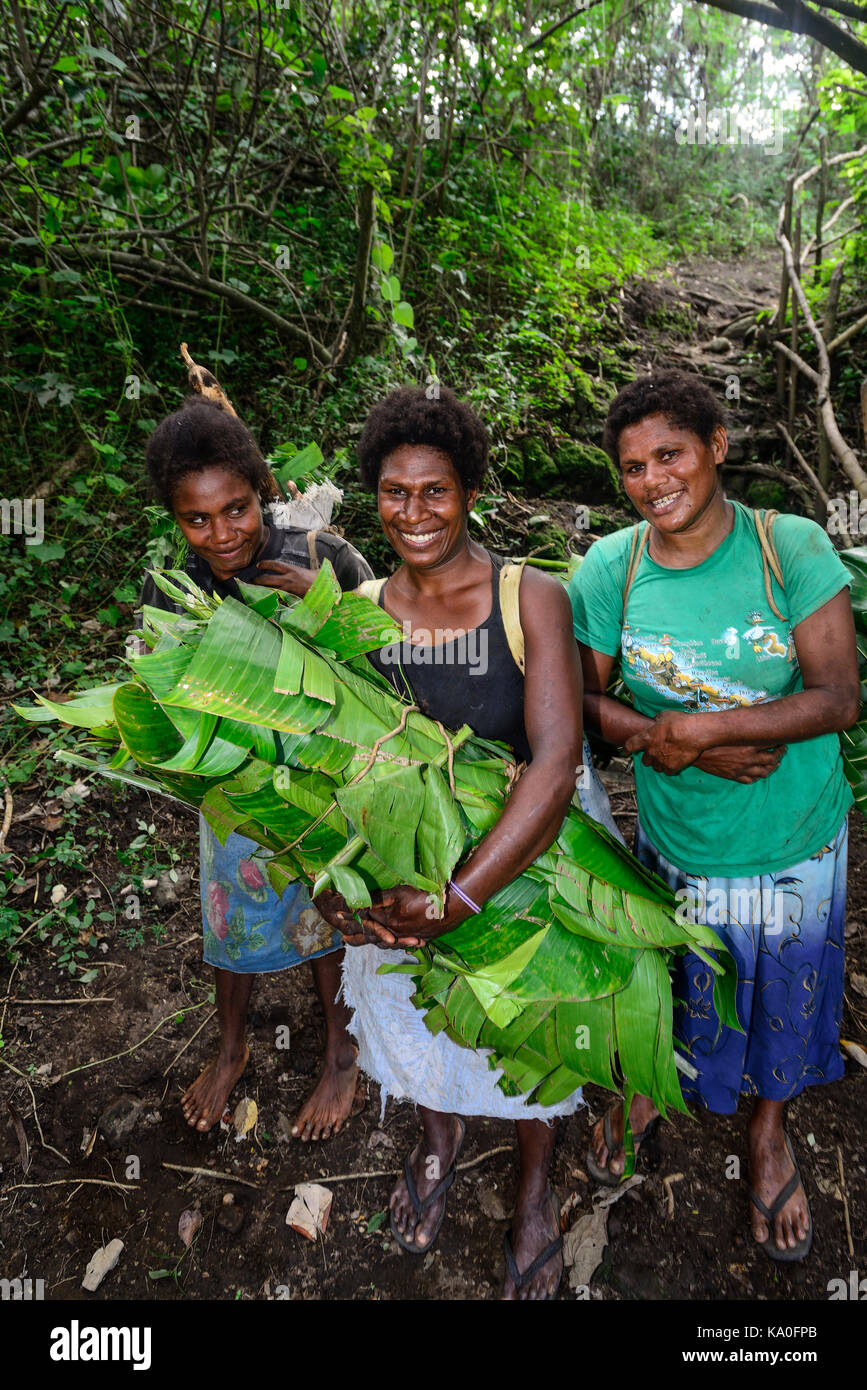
<point x="785" y="932"/>
<point x="248" y="929"/>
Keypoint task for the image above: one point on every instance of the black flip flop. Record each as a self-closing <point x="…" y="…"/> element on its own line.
<point x="521" y="1280"/>
<point x="419" y="1206"/>
<point x="604" y="1175"/>
<point x="770" y="1247"/>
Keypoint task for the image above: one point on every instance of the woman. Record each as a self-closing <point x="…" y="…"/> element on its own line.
<point x="426" y="459"/>
<point x="740" y="686"/>
<point x="208" y="472"/>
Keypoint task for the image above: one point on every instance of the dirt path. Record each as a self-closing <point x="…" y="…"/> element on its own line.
<point x="245" y="1250"/>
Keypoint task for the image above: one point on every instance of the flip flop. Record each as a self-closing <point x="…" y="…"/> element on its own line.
<point x="521" y="1280"/>
<point x="770" y="1247"/>
<point x="604" y="1175"/>
<point x="419" y="1206"/>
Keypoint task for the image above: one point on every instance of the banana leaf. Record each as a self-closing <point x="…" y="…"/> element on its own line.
<point x="266" y="715"/>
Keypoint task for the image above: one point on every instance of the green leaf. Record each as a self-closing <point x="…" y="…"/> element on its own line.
<point x="403" y="314"/>
<point x="390" y="288"/>
<point x="382" y="256"/>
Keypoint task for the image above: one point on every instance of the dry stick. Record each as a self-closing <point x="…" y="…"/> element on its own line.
<point x="212" y="1173"/>
<point x="50" y="1147"/>
<point x="13" y="999"/>
<point x="828" y="327"/>
<point x="189" y="1040"/>
<point x="847" y="333"/>
<point x="7" y="818"/>
<point x="72" y="1182"/>
<point x="793" y="376"/>
<point x="188" y="1008"/>
<point x="8" y="997"/>
<point x="845" y="1204"/>
<point x="396" y="1172"/>
<point x="846" y="455"/>
<point x="820" y="491"/>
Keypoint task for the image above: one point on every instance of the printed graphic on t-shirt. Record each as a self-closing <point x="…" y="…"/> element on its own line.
<point x="689" y="674"/>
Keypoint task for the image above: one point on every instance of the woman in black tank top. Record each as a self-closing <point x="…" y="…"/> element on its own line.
<point x="425" y="459"/>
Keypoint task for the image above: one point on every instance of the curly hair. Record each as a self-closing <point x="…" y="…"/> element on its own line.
<point x="202" y="435"/>
<point x="685" y="401"/>
<point x="408" y="416"/>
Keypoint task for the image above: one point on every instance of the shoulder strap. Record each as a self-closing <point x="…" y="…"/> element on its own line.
<point x="371" y="588"/>
<point x="636" y="550"/>
<point x="311" y="549"/>
<point x="510" y="608"/>
<point x="764" y="523"/>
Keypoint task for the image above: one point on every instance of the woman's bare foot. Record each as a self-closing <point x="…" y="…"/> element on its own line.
<point x="641" y="1113"/>
<point x="534" y="1227"/>
<point x="429" y="1162"/>
<point x="333" y="1100"/>
<point x="204" y="1102"/>
<point x="771" y="1168"/>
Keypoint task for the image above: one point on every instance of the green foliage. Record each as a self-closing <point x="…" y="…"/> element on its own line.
<point x="563" y="974"/>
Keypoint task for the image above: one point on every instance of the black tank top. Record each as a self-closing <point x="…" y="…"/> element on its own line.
<point x="472" y="679"/>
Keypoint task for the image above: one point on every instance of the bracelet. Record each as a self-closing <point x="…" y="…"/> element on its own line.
<point x="463" y="896"/>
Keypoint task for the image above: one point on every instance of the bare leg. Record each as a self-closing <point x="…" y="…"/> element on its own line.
<point x="641" y="1113"/>
<point x="770" y="1170"/>
<point x="534" y="1223"/>
<point x="203" y="1104"/>
<point x="430" y="1161"/>
<point x="330" y="1103"/>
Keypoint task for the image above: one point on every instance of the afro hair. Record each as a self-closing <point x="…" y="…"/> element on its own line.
<point x="202" y="435"/>
<point x="410" y="416"/>
<point x="685" y="401"/>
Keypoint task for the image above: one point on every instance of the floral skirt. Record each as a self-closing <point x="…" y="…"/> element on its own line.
<point x="785" y="932"/>
<point x="247" y="928"/>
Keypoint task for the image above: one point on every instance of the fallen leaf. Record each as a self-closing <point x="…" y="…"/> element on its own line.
<point x="101" y="1263"/>
<point x="245" y="1117"/>
<point x="58" y="893"/>
<point x="609" y="1198"/>
<point x="583" y="1247"/>
<point x="491" y="1204"/>
<point x="859" y="984"/>
<point x="188" y="1223"/>
<point x="854" y="1051"/>
<point x="311" y="1205"/>
<point x="669" y="1194"/>
<point x="77" y="792"/>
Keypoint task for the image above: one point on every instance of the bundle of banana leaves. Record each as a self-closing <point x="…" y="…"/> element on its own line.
<point x="267" y="715"/>
<point x="854" y="741"/>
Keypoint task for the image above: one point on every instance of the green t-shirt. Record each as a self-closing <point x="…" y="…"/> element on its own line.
<point x="704" y="638"/>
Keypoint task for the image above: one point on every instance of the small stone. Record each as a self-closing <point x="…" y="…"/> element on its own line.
<point x="491" y="1204"/>
<point x="119" y="1118"/>
<point x="102" y="1262"/>
<point x="231" y="1217"/>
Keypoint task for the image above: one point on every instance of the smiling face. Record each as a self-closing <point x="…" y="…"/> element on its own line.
<point x="220" y="515"/>
<point x="422" y="505"/>
<point x="670" y="474"/>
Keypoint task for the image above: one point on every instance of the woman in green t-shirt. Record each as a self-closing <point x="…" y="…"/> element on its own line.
<point x="740" y="685"/>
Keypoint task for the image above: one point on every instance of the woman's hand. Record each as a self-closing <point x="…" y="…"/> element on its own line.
<point x="672" y="742"/>
<point x="356" y="929"/>
<point x="290" y="578"/>
<point x="740" y="763"/>
<point x="411" y="916"/>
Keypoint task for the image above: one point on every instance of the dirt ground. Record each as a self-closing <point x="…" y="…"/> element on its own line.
<point x="54" y="1216"/>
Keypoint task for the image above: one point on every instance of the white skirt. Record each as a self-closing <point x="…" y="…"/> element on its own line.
<point x="410" y="1063"/>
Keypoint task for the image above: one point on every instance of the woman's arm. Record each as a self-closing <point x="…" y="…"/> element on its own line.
<point x="829" y="702"/>
<point x="620" y="724"/>
<point x="540" y="799"/>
